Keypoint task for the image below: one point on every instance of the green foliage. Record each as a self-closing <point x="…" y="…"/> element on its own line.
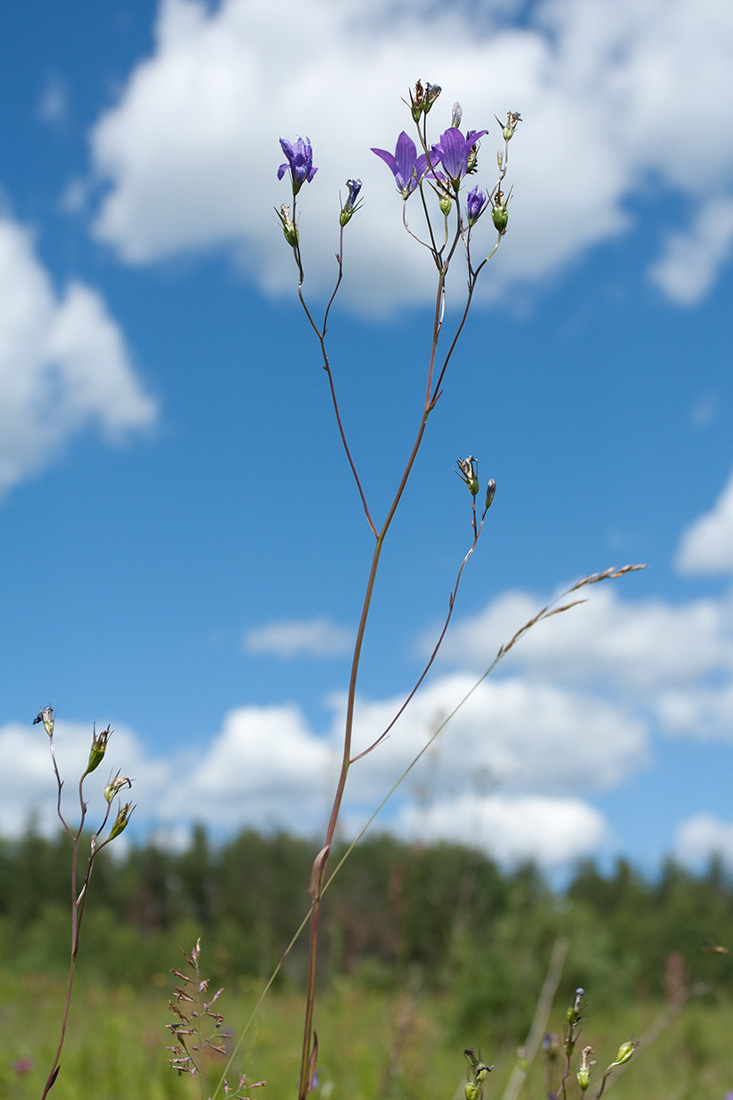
<point x="441" y="911"/>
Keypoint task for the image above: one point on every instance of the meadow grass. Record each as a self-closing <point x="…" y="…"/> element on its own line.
<point x="396" y="1045"/>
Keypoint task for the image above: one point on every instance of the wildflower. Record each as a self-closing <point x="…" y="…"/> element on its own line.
<point x="45" y="716"/>
<point x="98" y="749"/>
<point x="457" y="153"/>
<point x="468" y="474"/>
<point x="475" y="203"/>
<point x="299" y="162"/>
<point x="351" y="205"/>
<point x="406" y="166"/>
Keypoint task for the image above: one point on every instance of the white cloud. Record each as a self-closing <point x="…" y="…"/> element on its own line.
<point x="707" y="545"/>
<point x="702" y="837"/>
<point x="267" y="767"/>
<point x="63" y="364"/>
<point x="608" y="93"/>
<point x="692" y="260"/>
<point x="27" y="783"/>
<point x="53" y="106"/>
<point x="553" y="832"/>
<point x="643" y="646"/>
<point x="319" y="637"/>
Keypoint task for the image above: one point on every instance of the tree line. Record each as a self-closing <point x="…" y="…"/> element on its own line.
<point x="444" y="913"/>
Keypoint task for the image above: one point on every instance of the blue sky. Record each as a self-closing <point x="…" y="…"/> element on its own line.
<point x="183" y="549"/>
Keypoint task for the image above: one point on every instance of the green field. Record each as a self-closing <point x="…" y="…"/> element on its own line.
<point x="402" y="1045"/>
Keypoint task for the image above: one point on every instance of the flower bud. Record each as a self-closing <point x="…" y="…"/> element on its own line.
<point x="98" y="749"/>
<point x="456" y="115"/>
<point x="351" y="205"/>
<point x="45" y="716"/>
<point x="625" y="1051"/>
<point x="472" y="1090"/>
<point x="120" y="823"/>
<point x="490" y="493"/>
<point x="445" y="205"/>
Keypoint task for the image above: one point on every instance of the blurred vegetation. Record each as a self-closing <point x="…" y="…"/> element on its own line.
<point x="443" y="916"/>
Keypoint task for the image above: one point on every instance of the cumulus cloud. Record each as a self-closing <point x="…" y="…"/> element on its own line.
<point x="552" y="832"/>
<point x="188" y="153"/>
<point x="28" y="787"/>
<point x="268" y="768"/>
<point x="702" y="837"/>
<point x="642" y="645"/>
<point x="707" y="545"/>
<point x="63" y="364"/>
<point x="319" y="638"/>
<point x="692" y="260"/>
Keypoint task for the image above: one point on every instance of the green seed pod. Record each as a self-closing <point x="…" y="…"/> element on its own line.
<point x="445" y="205"/>
<point x="98" y="749"/>
<point x="500" y="216"/>
<point x="473" y="1091"/>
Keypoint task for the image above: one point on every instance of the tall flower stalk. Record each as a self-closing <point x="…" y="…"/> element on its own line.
<point x="436" y="174"/>
<point x="81" y="873"/>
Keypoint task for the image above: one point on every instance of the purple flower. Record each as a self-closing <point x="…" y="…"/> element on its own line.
<point x="300" y="162"/>
<point x="351" y="205"/>
<point x="475" y="203"/>
<point x="406" y="166"/>
<point x="453" y="151"/>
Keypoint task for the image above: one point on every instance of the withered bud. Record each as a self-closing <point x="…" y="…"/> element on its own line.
<point x="45" y="716"/>
<point x="468" y="473"/>
<point x="422" y="99"/>
<point x="290" y="230"/>
<point x="120" y="823"/>
<point x="586" y="1063"/>
<point x="119" y="783"/>
<point x="513" y="118"/>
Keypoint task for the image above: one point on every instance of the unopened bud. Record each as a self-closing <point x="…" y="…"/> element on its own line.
<point x="98" y="749"/>
<point x="625" y="1051"/>
<point x="456" y="115"/>
<point x="351" y="205"/>
<point x="490" y="493"/>
<point x="45" y="716"/>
